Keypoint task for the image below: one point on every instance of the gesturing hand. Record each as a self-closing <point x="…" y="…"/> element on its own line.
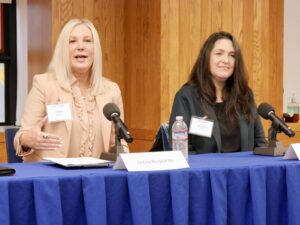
<point x="41" y="141"/>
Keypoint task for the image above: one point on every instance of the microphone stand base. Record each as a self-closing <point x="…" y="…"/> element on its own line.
<point x="278" y="150"/>
<point x="108" y="156"/>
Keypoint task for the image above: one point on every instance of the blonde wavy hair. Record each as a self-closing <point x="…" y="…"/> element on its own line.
<point x="59" y="66"/>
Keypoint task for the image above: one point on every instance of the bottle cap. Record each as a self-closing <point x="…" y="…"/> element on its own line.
<point x="179" y="117"/>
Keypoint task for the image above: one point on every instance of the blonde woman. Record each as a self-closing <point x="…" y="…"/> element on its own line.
<point x="63" y="112"/>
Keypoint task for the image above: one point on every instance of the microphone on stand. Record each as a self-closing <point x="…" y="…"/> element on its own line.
<point x="112" y="112"/>
<point x="267" y="112"/>
<point x="274" y="147"/>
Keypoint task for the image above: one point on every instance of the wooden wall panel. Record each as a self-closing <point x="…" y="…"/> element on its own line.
<point x="142" y="68"/>
<point x="246" y="43"/>
<point x="189" y="33"/>
<point x="170" y="66"/>
<point x="276" y="34"/>
<point x="39" y="37"/>
<point x="3" y="155"/>
<point x="287" y="141"/>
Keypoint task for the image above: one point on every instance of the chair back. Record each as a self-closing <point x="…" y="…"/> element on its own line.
<point x="10" y="149"/>
<point x="161" y="141"/>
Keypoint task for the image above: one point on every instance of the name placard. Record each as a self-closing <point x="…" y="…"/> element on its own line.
<point x="293" y="152"/>
<point x="151" y="161"/>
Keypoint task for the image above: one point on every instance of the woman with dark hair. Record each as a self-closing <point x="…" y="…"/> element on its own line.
<point x="216" y="103"/>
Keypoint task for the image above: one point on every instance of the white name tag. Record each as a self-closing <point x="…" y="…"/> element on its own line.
<point x="59" y="112"/>
<point x="201" y="127"/>
<point x="151" y="161"/>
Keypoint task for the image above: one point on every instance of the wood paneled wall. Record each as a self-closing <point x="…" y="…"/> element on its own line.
<point x="39" y="37"/>
<point x="142" y="70"/>
<point x="150" y="46"/>
<point x="3" y="155"/>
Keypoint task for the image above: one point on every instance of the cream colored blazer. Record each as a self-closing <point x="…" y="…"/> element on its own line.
<point x="45" y="91"/>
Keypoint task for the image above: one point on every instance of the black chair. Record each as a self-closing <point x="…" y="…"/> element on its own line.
<point x="10" y="149"/>
<point x="161" y="141"/>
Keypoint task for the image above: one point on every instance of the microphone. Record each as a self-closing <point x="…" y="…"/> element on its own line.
<point x="267" y="112"/>
<point x="112" y="112"/>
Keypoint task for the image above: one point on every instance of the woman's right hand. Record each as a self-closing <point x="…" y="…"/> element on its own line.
<point x="36" y="139"/>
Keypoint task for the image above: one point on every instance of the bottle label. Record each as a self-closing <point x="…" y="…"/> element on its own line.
<point x="180" y="135"/>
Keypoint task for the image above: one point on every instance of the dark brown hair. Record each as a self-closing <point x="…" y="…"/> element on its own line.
<point x="236" y="93"/>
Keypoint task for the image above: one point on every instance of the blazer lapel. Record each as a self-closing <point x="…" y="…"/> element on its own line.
<point x="216" y="129"/>
<point x="105" y="123"/>
<point x="244" y="130"/>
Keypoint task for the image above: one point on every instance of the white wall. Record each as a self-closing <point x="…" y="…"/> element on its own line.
<point x="291" y="65"/>
<point x="22" y="57"/>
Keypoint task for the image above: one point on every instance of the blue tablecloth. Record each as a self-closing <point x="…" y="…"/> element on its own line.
<point x="217" y="189"/>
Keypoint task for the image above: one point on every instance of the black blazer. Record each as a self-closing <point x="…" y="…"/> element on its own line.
<point x="186" y="104"/>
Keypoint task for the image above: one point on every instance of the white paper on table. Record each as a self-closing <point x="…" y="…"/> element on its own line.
<point x="293" y="152"/>
<point x="79" y="161"/>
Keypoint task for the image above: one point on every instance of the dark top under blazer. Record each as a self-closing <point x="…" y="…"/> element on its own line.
<point x="186" y="104"/>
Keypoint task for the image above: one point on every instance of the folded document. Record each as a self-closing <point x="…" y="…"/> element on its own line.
<point x="79" y="162"/>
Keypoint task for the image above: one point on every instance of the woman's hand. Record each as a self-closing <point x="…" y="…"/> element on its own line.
<point x="41" y="141"/>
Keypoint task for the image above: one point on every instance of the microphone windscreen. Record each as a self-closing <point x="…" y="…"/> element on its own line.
<point x="264" y="109"/>
<point x="109" y="109"/>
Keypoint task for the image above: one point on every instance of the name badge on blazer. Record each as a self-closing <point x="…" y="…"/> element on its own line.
<point x="201" y="126"/>
<point x="59" y="112"/>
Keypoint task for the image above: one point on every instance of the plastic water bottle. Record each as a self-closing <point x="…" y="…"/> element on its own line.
<point x="180" y="136"/>
<point x="293" y="108"/>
